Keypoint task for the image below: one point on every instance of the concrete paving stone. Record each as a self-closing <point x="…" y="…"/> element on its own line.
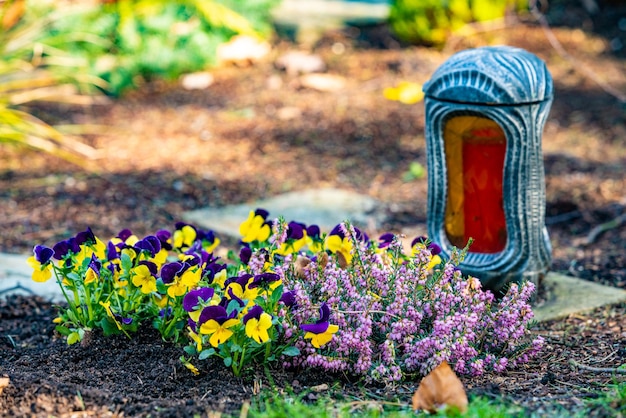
<point x="15" y="278"/>
<point x="323" y="207"/>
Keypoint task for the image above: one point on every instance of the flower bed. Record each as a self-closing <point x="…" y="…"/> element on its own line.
<point x="294" y="296"/>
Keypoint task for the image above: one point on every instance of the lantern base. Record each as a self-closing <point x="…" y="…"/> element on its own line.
<point x="498" y="283"/>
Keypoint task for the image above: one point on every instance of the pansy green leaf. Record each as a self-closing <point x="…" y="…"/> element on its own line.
<point x="190" y="349"/>
<point x="161" y="287"/>
<point x="72" y="317"/>
<point x="63" y="330"/>
<point x="127" y="263"/>
<point x="276" y="294"/>
<point x="232" y="306"/>
<point x="235" y="348"/>
<point x="204" y="354"/>
<point x="291" y="351"/>
<point x="73" y="338"/>
<point x="228" y="361"/>
<point x="108" y="327"/>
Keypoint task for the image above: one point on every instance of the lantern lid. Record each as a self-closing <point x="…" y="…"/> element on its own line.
<point x="493" y="75"/>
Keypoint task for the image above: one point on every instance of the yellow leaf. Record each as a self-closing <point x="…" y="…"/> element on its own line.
<point x="440" y="388"/>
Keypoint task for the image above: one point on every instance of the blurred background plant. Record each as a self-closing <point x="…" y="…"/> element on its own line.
<point x="157" y="39"/>
<point x="34" y="69"/>
<point x="73" y="51"/>
<point x="432" y="22"/>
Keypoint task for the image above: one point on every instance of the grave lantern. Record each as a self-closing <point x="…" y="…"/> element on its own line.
<point x="485" y="112"/>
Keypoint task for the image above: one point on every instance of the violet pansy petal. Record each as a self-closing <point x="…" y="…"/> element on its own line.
<point x="288" y="298"/>
<point x="317" y="328"/>
<point x="295" y="230"/>
<point x="337" y="230"/>
<point x="434" y="248"/>
<point x="254" y="312"/>
<point x="262" y="213"/>
<point x="324" y="313"/>
<point x="419" y="240"/>
<point x="191" y="299"/>
<point x="112" y="253"/>
<point x="124" y="234"/>
<point x="86" y="237"/>
<point x="170" y="270"/>
<point x="216" y="313"/>
<point x="244" y="255"/>
<point x="313" y="231"/>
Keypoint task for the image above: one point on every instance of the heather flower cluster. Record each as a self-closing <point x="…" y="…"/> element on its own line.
<point x="293" y="296"/>
<point x="400" y="314"/>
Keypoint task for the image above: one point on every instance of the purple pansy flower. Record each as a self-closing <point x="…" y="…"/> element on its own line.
<point x="244" y="255"/>
<point x="169" y="271"/>
<point x="63" y="248"/>
<point x="217" y="313"/>
<point x="313" y="231"/>
<point x="192" y="299"/>
<point x="385" y="240"/>
<point x="295" y="230"/>
<point x="86" y="237"/>
<point x="321" y="325"/>
<point x="288" y="299"/>
<point x="124" y="234"/>
<point x="254" y="312"/>
<point x="150" y="244"/>
<point x="43" y="254"/>
<point x="165" y="238"/>
<point x="432" y="247"/>
<point x="263" y="280"/>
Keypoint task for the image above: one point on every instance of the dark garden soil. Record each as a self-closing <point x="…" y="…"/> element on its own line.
<point x="258" y="131"/>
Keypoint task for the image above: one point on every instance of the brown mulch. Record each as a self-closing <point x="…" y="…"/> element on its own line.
<point x="257" y="132"/>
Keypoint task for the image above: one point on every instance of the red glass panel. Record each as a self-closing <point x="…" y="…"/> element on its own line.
<point x="483" y="164"/>
<point x="475" y="151"/>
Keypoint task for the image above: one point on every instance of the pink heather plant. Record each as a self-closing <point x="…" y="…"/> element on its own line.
<point x="397" y="317"/>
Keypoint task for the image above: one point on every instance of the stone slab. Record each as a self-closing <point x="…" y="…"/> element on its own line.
<point x="15" y="278"/>
<point x="323" y="207"/>
<point x="567" y="295"/>
<point x="298" y="11"/>
<point x="305" y="21"/>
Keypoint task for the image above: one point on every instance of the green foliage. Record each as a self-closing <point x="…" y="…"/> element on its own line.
<point x="612" y="403"/>
<point x="148" y="39"/>
<point x="431" y="22"/>
<point x="334" y="405"/>
<point x="416" y="171"/>
<point x="33" y="68"/>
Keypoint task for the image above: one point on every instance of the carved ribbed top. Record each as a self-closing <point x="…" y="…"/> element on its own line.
<point x="495" y="75"/>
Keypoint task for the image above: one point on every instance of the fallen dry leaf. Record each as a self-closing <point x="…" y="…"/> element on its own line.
<point x="301" y="264"/>
<point x="320" y="388"/>
<point x="4" y="382"/>
<point x="322" y="259"/>
<point x="441" y="387"/>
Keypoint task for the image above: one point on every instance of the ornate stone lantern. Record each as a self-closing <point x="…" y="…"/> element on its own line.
<point x="485" y="112"/>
